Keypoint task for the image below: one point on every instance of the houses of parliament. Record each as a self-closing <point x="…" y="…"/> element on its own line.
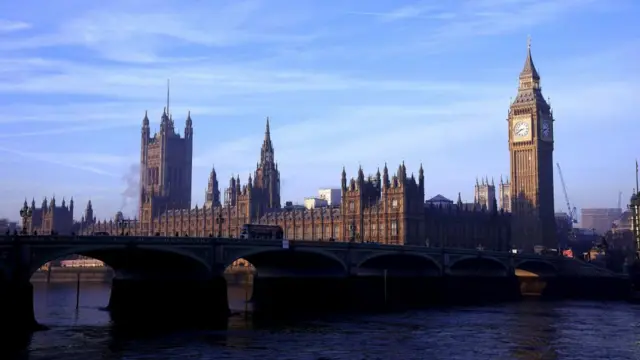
<point x="388" y="207"/>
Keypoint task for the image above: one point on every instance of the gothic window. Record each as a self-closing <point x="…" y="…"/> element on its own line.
<point x="352" y="206"/>
<point x="336" y="231"/>
<point x="394" y="203"/>
<point x="394" y="227"/>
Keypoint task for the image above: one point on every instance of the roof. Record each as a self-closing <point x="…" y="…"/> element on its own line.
<point x="439" y="198"/>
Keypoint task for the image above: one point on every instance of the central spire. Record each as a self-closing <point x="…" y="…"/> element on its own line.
<point x="267" y="131"/>
<point x="266" y="152"/>
<point x="529" y="69"/>
<point x="266" y="145"/>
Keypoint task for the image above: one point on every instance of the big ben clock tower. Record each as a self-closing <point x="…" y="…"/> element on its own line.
<point x="531" y="151"/>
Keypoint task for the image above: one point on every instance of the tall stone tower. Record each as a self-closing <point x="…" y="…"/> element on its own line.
<point x="266" y="181"/>
<point x="165" y="167"/>
<point x="485" y="194"/>
<point x="530" y="122"/>
<point x="212" y="194"/>
<point x="504" y="193"/>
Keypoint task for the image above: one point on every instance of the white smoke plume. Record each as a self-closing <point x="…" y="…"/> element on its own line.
<point x="131" y="194"/>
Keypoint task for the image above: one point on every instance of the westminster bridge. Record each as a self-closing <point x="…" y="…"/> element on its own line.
<point x="183" y="276"/>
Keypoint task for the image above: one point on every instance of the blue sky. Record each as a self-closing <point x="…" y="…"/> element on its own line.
<point x="345" y="82"/>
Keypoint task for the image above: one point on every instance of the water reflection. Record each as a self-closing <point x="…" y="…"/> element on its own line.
<point x="528" y="330"/>
<point x="532" y="329"/>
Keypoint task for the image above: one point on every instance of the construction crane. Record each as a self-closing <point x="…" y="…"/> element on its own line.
<point x="571" y="210"/>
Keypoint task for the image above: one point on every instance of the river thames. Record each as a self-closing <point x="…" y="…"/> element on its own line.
<point x="530" y="329"/>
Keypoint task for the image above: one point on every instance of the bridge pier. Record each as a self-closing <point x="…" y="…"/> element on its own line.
<point x="284" y="295"/>
<point x="169" y="302"/>
<point x="287" y="295"/>
<point x="591" y="288"/>
<point x="16" y="308"/>
<point x="474" y="289"/>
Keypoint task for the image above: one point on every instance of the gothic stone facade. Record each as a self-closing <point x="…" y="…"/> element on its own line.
<point x="50" y="217"/>
<point x="384" y="208"/>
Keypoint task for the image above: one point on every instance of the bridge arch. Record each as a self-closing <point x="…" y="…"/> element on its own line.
<point x="131" y="259"/>
<point x="478" y="266"/>
<point x="400" y="262"/>
<point x="285" y="262"/>
<point x="540" y="268"/>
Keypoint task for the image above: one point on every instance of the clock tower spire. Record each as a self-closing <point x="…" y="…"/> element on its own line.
<point x="530" y="122"/>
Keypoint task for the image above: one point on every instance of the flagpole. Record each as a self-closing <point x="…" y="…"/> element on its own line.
<point x="637" y="187"/>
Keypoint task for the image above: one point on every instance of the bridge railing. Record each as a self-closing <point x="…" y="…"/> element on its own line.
<point x="132" y="239"/>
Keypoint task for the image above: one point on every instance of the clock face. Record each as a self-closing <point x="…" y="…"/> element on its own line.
<point x="546" y="129"/>
<point x="521" y="129"/>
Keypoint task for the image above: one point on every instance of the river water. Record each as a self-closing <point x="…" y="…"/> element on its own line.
<point x="526" y="330"/>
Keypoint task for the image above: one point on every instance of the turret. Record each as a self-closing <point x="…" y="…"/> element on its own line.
<point x="164" y="122"/>
<point x="188" y="127"/>
<point x="145" y="121"/>
<point x="88" y="212"/>
<point x="344" y="179"/>
<point x="421" y="179"/>
<point x="212" y="193"/>
<point x="385" y="176"/>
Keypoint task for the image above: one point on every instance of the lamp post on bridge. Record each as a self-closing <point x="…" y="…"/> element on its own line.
<point x="122" y="225"/>
<point x="352" y="231"/>
<point x="25" y="214"/>
<point x="220" y="221"/>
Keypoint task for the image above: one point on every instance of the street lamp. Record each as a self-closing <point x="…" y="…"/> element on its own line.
<point x="220" y="221"/>
<point x="352" y="229"/>
<point x="25" y="214"/>
<point x="122" y="225"/>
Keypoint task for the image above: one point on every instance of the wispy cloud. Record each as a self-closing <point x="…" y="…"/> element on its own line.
<point x="79" y="161"/>
<point x="114" y="33"/>
<point x="199" y="80"/>
<point x="7" y="26"/>
<point x="495" y="17"/>
<point x="93" y="116"/>
<point x="420" y="10"/>
<point x="450" y="24"/>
